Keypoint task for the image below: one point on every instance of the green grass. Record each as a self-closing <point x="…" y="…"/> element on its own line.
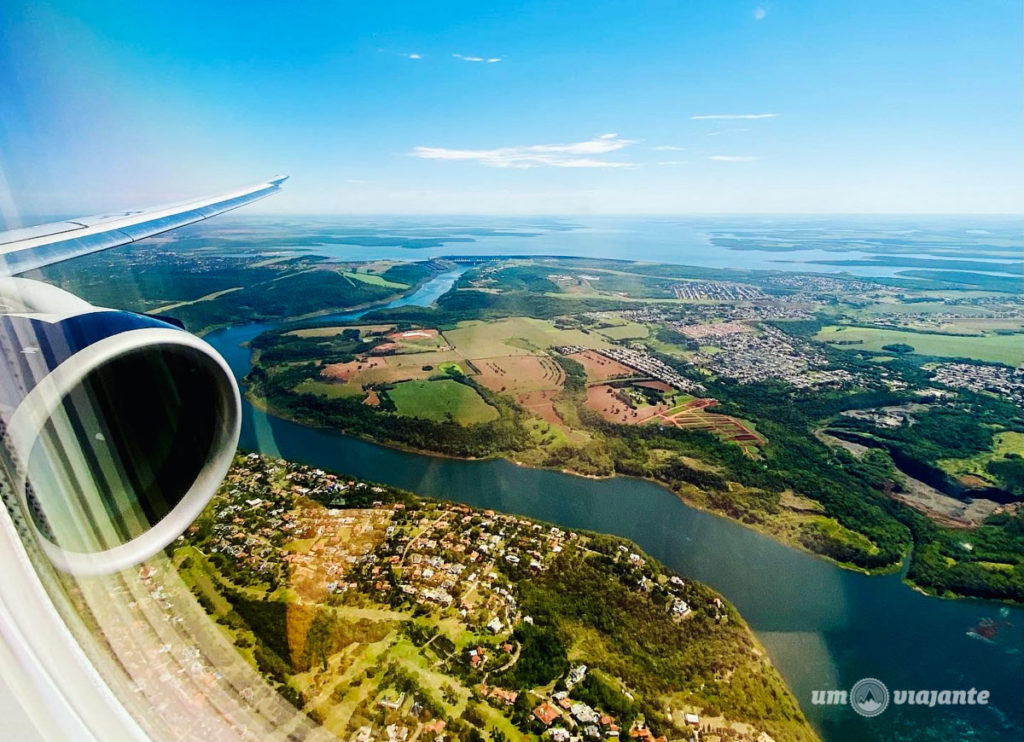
<point x="1005" y="442"/>
<point x="515" y="335"/>
<point x="668" y="349"/>
<point x="451" y="368"/>
<point x="628" y="331"/>
<point x="921" y="307"/>
<point x="997" y="565"/>
<point x="326" y="389"/>
<point x="834" y="531"/>
<point x="441" y="400"/>
<point x="373" y="279"/>
<point x="1007" y="349"/>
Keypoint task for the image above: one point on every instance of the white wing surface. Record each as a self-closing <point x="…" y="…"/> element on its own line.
<point x="26" y="249"/>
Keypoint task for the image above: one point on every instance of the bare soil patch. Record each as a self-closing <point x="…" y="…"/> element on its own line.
<point x="348" y="371"/>
<point x="518" y="374"/>
<point x="541" y="404"/>
<point x="599" y="368"/>
<point x="605" y="399"/>
<point x="418" y="334"/>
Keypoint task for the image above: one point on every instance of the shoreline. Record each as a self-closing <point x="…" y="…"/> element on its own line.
<point x="260" y="404"/>
<point x="282" y="321"/>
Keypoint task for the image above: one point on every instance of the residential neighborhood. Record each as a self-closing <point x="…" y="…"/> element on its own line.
<point x="438" y="589"/>
<point x="1000" y="380"/>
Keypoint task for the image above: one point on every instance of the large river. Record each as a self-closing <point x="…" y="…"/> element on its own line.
<point x="824" y="627"/>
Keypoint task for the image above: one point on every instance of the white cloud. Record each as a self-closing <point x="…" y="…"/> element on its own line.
<point x="484" y="60"/>
<point x="671" y="162"/>
<point x="760" y="12"/>
<point x="413" y="55"/>
<point x="725" y="131"/>
<point x="577" y="154"/>
<point x="669" y="148"/>
<point x="734" y="116"/>
<point x="732" y="158"/>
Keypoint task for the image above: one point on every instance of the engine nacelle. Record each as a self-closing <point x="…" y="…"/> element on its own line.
<point x="117" y="427"/>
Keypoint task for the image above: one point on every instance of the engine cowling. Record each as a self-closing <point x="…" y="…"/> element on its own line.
<point x="118" y="427"/>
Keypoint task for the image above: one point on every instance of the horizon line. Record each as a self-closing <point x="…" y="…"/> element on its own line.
<point x="578" y="214"/>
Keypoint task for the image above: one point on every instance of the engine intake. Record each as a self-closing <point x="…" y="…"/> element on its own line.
<point x="119" y="429"/>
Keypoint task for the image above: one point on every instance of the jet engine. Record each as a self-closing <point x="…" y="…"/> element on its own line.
<point x="117" y="427"/>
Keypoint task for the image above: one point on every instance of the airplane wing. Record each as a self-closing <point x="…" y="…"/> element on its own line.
<point x="26" y="249"/>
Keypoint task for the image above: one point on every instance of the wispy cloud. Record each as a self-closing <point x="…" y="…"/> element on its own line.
<point x="665" y="163"/>
<point x="760" y="12"/>
<point x="413" y="55"/>
<point x="669" y="148"/>
<point x="734" y="116"/>
<point x="484" y="60"/>
<point x="725" y="131"/>
<point x="578" y="154"/>
<point x="732" y="158"/>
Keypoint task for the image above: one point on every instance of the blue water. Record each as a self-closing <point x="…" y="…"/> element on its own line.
<point x="681" y="240"/>
<point x="823" y="627"/>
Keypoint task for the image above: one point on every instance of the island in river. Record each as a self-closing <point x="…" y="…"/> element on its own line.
<point x="377" y="613"/>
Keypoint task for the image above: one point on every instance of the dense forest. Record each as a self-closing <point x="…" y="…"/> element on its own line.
<point x="633" y="636"/>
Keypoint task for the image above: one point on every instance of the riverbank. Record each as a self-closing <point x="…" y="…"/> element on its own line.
<point x="823" y="627"/>
<point x="783" y="529"/>
<point x="368" y="306"/>
<point x="591" y="599"/>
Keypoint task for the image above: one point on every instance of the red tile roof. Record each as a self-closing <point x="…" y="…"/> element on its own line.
<point x="546" y="713"/>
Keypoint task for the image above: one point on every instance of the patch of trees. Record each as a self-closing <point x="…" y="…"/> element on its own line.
<point x="674" y="337"/>
<point x="575" y="373"/>
<point x="597" y="692"/>
<point x="457" y="306"/>
<point x="542" y="657"/>
<point x="291" y="296"/>
<point x="1009" y="471"/>
<point x="351" y="416"/>
<point x="632" y="636"/>
<point x="936" y="434"/>
<point x="409" y="273"/>
<point x="931" y="570"/>
<point x="280" y="346"/>
<point x="268" y="621"/>
<point x="525" y="278"/>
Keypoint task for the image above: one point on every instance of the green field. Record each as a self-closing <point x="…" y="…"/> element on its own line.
<point x="411" y="342"/>
<point x="515" y="336"/>
<point x="373" y="279"/>
<point x="329" y="390"/>
<point x="668" y="349"/>
<point x="333" y="330"/>
<point x="1005" y="442"/>
<point x="1007" y="349"/>
<point x="628" y="331"/>
<point x="917" y="307"/>
<point x="441" y="400"/>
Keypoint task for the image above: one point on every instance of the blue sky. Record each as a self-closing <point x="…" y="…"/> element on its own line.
<point x="688" y="106"/>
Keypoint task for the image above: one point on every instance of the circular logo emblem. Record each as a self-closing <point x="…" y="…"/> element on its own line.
<point x="869" y="697"/>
